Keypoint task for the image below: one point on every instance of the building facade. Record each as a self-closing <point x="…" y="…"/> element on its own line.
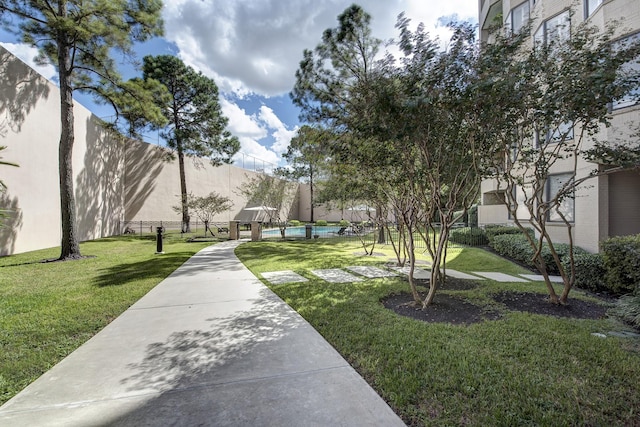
<point x="604" y="206"/>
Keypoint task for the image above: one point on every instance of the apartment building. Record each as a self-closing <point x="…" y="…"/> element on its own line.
<point x="607" y="205"/>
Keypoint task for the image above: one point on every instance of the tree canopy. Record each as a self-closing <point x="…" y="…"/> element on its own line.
<point x="79" y="38"/>
<point x="196" y="125"/>
<point x="416" y="135"/>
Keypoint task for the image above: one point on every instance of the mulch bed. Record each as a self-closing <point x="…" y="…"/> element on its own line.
<point x="445" y="309"/>
<point x="452" y="309"/>
<point x="539" y="304"/>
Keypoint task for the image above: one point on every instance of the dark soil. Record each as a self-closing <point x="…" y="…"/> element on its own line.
<point x="452" y="309"/>
<point x="539" y="304"/>
<point x="445" y="309"/>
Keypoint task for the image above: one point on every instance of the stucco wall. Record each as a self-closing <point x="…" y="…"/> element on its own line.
<point x="152" y="186"/>
<point x="30" y="128"/>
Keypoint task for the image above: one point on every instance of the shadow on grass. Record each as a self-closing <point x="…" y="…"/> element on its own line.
<point x="159" y="267"/>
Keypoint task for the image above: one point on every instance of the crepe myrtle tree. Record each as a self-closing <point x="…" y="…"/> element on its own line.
<point x="80" y="38"/>
<point x="196" y="125"/>
<point x="543" y="104"/>
<point x="423" y="112"/>
<point x="206" y="208"/>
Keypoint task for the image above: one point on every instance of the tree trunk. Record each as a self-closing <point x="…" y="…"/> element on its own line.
<point x="311" y="189"/>
<point x="70" y="247"/>
<point x="186" y="226"/>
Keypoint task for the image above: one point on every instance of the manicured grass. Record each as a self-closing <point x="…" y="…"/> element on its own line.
<point x="523" y="369"/>
<point x="49" y="309"/>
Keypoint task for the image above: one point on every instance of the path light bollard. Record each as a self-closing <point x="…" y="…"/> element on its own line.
<point x="307" y="231"/>
<point x="159" y="240"/>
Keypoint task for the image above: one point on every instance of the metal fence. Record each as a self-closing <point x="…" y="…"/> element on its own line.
<point x="460" y="236"/>
<point x="197" y="227"/>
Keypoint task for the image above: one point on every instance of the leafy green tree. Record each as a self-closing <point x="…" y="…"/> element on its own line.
<point x="207" y="207"/>
<point x="544" y="105"/>
<point x="196" y="124"/>
<point x="79" y="38"/>
<point x="306" y="158"/>
<point x="344" y="58"/>
<point x="3" y="163"/>
<point x="3" y="187"/>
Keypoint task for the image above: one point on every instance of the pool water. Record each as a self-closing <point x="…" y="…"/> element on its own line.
<point x="330" y="230"/>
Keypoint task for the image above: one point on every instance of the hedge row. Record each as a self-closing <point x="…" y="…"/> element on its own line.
<point x="468" y="236"/>
<point x="516" y="247"/>
<point x="622" y="261"/>
<point x="615" y="270"/>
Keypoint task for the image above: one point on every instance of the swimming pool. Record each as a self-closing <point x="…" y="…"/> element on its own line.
<point x="329" y="230"/>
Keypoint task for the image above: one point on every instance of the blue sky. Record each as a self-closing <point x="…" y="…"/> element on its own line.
<point x="252" y="48"/>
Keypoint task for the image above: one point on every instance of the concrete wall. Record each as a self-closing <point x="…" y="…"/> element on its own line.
<point x="30" y="128"/>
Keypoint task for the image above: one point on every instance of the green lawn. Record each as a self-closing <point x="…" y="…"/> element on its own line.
<point x="524" y="369"/>
<point x="47" y="310"/>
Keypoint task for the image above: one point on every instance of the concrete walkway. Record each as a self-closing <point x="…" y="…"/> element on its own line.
<point x="209" y="346"/>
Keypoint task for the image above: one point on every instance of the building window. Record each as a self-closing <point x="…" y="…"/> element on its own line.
<point x="590" y="6"/>
<point x="633" y="97"/>
<point x="563" y="132"/>
<point x="554" y="184"/>
<point x="554" y="30"/>
<point x="518" y="17"/>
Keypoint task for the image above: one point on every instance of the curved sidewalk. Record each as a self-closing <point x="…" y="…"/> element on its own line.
<point x="209" y="346"/>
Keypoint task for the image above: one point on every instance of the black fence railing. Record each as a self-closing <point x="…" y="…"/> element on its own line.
<point x="460" y="236"/>
<point x="196" y="227"/>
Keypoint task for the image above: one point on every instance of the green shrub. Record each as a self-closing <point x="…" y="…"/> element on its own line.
<point x="499" y="230"/>
<point x="628" y="309"/>
<point x="461" y="218"/>
<point x="321" y="223"/>
<point x="473" y="216"/>
<point x="468" y="236"/>
<point x="513" y="246"/>
<point x="344" y="223"/>
<point x="622" y="261"/>
<point x="517" y="248"/>
<point x="294" y="223"/>
<point x="590" y="271"/>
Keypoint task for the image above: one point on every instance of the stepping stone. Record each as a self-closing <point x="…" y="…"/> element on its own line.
<point x="371" y="272"/>
<point x="418" y="273"/>
<point x="335" y="275"/>
<point x="460" y="275"/>
<point x="624" y="334"/>
<point x="500" y="277"/>
<point x="285" y="276"/>
<point x="539" y="278"/>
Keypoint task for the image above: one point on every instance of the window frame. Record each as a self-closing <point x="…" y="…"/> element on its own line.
<point x="543" y="31"/>
<point x="552" y="215"/>
<point x="510" y="16"/>
<point x="588" y="11"/>
<point x="632" y="99"/>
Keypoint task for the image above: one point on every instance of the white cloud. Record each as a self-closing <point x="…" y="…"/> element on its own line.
<point x="281" y="135"/>
<point x="255" y="47"/>
<point x="241" y="124"/>
<point x="254" y="156"/>
<point x="27" y="54"/>
<point x="256" y="132"/>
